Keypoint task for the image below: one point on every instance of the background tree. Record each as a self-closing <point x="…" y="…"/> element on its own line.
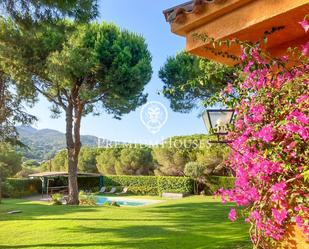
<point x="10" y="163"/>
<point x="87" y="160"/>
<point x="11" y="110"/>
<point x="190" y="80"/>
<point x="81" y="71"/>
<point x="32" y="12"/>
<point x="107" y="160"/>
<point x="135" y="161"/>
<point x="196" y="172"/>
<point x="131" y="160"/>
<point x="174" y="153"/>
<point x="213" y="158"/>
<point x="31" y="164"/>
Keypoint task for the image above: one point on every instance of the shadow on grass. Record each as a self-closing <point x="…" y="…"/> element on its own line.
<point x="181" y="225"/>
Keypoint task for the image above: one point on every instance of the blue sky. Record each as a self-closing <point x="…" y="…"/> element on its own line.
<point x="145" y="18"/>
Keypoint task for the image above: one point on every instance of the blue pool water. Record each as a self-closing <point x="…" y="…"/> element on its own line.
<point x="122" y="202"/>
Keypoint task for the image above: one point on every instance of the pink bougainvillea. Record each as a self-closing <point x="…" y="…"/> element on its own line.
<point x="270" y="152"/>
<point x="233" y="214"/>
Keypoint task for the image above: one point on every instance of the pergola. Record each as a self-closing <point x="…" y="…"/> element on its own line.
<point x="46" y="177"/>
<point x="246" y="20"/>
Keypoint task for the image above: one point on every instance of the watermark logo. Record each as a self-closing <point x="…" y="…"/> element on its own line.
<point x="154" y="116"/>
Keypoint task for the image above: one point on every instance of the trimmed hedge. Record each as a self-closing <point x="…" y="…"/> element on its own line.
<point x="22" y="187"/>
<point x="175" y="184"/>
<point x="214" y="183"/>
<point x="126" y="181"/>
<point x="139" y="185"/>
<point x="151" y="185"/>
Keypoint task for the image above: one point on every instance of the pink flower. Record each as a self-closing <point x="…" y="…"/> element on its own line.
<point x="266" y="134"/>
<point x="229" y="88"/>
<point x="292" y="127"/>
<point x="239" y="124"/>
<point x="305" y="25"/>
<point x="256" y="113"/>
<point x="243" y="56"/>
<point x="302" y="131"/>
<point x="291" y="146"/>
<point x="278" y="191"/>
<point x="233" y="215"/>
<point x="298" y="221"/>
<point x="302" y="98"/>
<point x="300" y="116"/>
<point x="305" y="49"/>
<point x="279" y="216"/>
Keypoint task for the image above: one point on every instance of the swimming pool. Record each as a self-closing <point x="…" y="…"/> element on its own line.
<point x="125" y="201"/>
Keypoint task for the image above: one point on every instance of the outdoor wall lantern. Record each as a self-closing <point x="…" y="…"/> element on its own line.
<point x="217" y="123"/>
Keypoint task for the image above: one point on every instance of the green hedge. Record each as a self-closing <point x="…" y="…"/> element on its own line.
<point x="151" y="185"/>
<point x="22" y="187"/>
<point x="214" y="183"/>
<point x="175" y="184"/>
<point x="139" y="185"/>
<point x="127" y="181"/>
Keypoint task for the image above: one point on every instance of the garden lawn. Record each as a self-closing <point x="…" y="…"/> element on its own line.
<point x="192" y="222"/>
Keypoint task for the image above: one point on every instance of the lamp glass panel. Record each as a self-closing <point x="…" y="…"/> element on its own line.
<point x="220" y="120"/>
<point x="207" y="121"/>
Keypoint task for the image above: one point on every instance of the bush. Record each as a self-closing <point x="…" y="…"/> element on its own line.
<point x="175" y="184"/>
<point x="22" y="187"/>
<point x="214" y="183"/>
<point x="6" y="189"/>
<point x="195" y="171"/>
<point x="57" y="199"/>
<point x="143" y="190"/>
<point x="87" y="200"/>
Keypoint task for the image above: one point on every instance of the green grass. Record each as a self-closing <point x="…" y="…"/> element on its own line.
<point x="192" y="222"/>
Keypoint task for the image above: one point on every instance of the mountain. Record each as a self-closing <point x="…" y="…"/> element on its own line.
<point x="44" y="144"/>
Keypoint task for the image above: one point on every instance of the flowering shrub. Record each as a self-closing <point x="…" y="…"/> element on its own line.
<point x="270" y="153"/>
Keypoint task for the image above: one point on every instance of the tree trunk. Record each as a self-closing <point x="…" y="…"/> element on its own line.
<point x="74" y="113"/>
<point x="72" y="167"/>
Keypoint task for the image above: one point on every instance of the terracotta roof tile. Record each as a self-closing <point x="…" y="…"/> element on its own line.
<point x="178" y="13"/>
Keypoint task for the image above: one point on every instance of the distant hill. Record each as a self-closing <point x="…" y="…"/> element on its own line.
<point x="45" y="143"/>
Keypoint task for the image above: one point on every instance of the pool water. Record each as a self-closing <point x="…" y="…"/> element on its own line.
<point x="122" y="202"/>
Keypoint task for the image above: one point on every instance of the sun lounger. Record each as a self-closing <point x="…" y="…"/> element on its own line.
<point x="113" y="190"/>
<point x="102" y="190"/>
<point x="124" y="191"/>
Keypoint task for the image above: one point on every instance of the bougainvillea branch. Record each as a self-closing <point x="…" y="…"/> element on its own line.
<point x="270" y="152"/>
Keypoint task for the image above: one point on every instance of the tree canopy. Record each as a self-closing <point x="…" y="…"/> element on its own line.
<point x="190" y="80"/>
<point x="32" y="11"/>
<point x="196" y="172"/>
<point x="126" y="161"/>
<point x="11" y="111"/>
<point x="174" y="153"/>
<point x="81" y="69"/>
<point x="10" y="162"/>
